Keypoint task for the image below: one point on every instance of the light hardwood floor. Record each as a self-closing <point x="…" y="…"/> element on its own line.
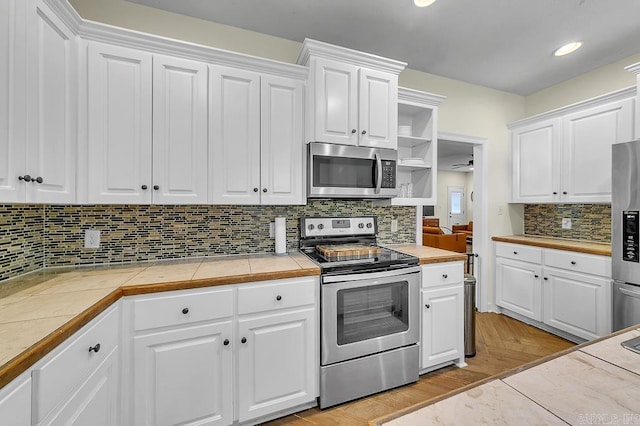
<point x="502" y="343"/>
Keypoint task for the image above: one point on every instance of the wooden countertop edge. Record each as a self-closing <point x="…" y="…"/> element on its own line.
<point x="37" y="351"/>
<point x="415" y="407"/>
<point x="559" y="245"/>
<point x="443" y="259"/>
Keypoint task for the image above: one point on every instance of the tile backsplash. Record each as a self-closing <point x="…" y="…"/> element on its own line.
<point x="590" y="222"/>
<point x="34" y="236"/>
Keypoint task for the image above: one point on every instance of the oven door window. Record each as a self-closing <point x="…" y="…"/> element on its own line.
<point x="343" y="172"/>
<point x="368" y="312"/>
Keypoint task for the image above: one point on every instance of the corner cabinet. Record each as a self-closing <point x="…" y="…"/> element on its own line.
<point x="38" y="105"/>
<point x="565" y="156"/>
<point x="256" y="140"/>
<point x="352" y="97"/>
<point x="442" y="316"/>
<point x="543" y="285"/>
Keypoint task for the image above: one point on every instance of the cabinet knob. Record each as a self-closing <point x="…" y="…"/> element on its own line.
<point x="555" y="193"/>
<point x="226" y="342"/>
<point x="353" y="130"/>
<point x="564" y="192"/>
<point x="26" y="178"/>
<point x="515" y="252"/>
<point x="536" y="276"/>
<point x="255" y="189"/>
<point x="546" y="279"/>
<point x="144" y="187"/>
<point x="427" y="306"/>
<point x="244" y="340"/>
<point x="364" y="132"/>
<point x="156" y="187"/>
<point x="185" y="311"/>
<point x="95" y="348"/>
<point x="264" y="189"/>
<point x="37" y="180"/>
<point x="278" y="297"/>
<point x="445" y="276"/>
<point x="573" y="262"/>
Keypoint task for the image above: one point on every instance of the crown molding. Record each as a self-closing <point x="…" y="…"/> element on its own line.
<point x="417" y="96"/>
<point x="634" y="68"/>
<point x="318" y="49"/>
<point x="617" y="95"/>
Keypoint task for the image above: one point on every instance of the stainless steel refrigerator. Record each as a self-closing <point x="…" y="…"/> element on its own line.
<point x="625" y="222"/>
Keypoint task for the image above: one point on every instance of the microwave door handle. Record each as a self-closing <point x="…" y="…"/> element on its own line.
<point x="378" y="173"/>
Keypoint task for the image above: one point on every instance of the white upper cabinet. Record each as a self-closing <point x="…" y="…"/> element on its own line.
<point x="147" y="128"/>
<point x="179" y="131"/>
<point x="352" y="96"/>
<point x="38" y="147"/>
<point x="256" y="150"/>
<point x="565" y="156"/>
<point x="119" y="125"/>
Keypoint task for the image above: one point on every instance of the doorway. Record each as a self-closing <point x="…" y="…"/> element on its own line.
<point x="455" y="206"/>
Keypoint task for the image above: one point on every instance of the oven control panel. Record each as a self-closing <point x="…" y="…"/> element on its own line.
<point x="333" y="226"/>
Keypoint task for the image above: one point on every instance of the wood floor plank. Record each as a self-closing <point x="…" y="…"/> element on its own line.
<point x="502" y="343"/>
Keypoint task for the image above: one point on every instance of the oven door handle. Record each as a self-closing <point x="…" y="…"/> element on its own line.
<point x="378" y="172"/>
<point x="329" y="279"/>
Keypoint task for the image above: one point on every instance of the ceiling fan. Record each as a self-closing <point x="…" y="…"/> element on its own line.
<point x="468" y="164"/>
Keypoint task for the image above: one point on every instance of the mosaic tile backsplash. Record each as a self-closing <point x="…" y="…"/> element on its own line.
<point x="34" y="236"/>
<point x="590" y="222"/>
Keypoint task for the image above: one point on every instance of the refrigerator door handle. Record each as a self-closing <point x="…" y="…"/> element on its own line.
<point x="630" y="293"/>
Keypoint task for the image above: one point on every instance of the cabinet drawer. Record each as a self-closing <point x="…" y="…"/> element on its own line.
<point x="58" y="376"/>
<point x="442" y="274"/>
<point x="519" y="252"/>
<point x="276" y="295"/>
<point x="179" y="308"/>
<point x="578" y="262"/>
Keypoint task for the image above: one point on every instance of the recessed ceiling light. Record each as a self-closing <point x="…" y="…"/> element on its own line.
<point x="568" y="48"/>
<point x="423" y="3"/>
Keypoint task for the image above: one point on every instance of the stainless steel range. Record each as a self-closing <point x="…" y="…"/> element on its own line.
<point x="369" y="301"/>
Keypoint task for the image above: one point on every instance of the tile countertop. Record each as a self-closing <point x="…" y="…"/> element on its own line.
<point x="602" y="249"/>
<point x="42" y="309"/>
<point x="594" y="383"/>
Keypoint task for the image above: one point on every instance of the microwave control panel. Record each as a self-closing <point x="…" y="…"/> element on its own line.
<point x="388" y="174"/>
<point x="630" y="235"/>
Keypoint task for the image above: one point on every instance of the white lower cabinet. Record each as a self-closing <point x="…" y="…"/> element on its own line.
<point x="567" y="291"/>
<point x="15" y="402"/>
<point x="442" y="315"/>
<point x="221" y="355"/>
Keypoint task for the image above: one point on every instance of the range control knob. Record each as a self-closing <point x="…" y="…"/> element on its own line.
<point x="369" y="225"/>
<point x="310" y="227"/>
<point x="321" y="227"/>
<point x="361" y="225"/>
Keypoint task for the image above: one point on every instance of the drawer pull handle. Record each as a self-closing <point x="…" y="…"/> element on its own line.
<point x="515" y="252"/>
<point x="573" y="262"/>
<point x="278" y="297"/>
<point x="427" y="306"/>
<point x="226" y="342"/>
<point x="536" y="276"/>
<point x="185" y="311"/>
<point x="95" y="348"/>
<point x="445" y="276"/>
<point x="244" y="340"/>
<point x="546" y="279"/>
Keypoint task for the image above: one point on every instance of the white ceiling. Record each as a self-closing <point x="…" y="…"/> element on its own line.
<point x="452" y="153"/>
<point x="503" y="44"/>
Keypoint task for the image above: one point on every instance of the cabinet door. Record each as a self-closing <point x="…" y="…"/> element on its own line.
<point x="535" y="163"/>
<point x="442" y="325"/>
<point x="577" y="303"/>
<point x="281" y="140"/>
<point x="519" y="287"/>
<point x="52" y="108"/>
<point x="378" y="109"/>
<point x="119" y="129"/>
<point x="96" y="402"/>
<point x="235" y="136"/>
<point x="336" y="102"/>
<point x="12" y="100"/>
<point x="277" y="362"/>
<point x="179" y="131"/>
<point x="586" y="159"/>
<point x="184" y="376"/>
<point x="15" y="402"/>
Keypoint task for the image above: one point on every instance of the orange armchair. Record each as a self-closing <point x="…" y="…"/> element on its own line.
<point x="465" y="229"/>
<point x="433" y="236"/>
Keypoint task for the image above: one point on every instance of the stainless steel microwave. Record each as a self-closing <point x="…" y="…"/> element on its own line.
<point x="342" y="171"/>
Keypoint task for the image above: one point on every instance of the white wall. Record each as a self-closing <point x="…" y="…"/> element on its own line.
<point x="447" y="179"/>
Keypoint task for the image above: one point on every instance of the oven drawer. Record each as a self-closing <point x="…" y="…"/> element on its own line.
<point x="442" y="274"/>
<point x="274" y="295"/>
<point x="182" y="307"/>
